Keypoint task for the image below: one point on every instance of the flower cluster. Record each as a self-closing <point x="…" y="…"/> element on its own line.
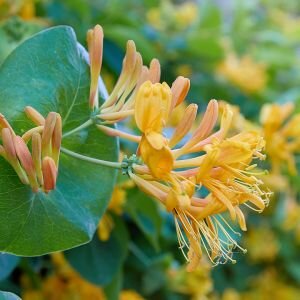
<point x="196" y="174"/>
<point x="38" y="167"/>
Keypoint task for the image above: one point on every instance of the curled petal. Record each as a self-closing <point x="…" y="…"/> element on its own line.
<point x="180" y="89"/>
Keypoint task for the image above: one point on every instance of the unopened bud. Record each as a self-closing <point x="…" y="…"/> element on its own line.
<point x="25" y="158"/>
<point x="36" y="145"/>
<point x="34" y="116"/>
<point x="56" y="139"/>
<point x="8" y="143"/>
<point x="4" y="123"/>
<point x="95" y="46"/>
<point x="154" y="71"/>
<point x="47" y="133"/>
<point x="49" y="173"/>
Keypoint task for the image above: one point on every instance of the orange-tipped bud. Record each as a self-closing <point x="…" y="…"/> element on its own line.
<point x="95" y="46"/>
<point x="4" y="123"/>
<point x="185" y="124"/>
<point x="154" y="71"/>
<point x="47" y="133"/>
<point x="49" y="173"/>
<point x="37" y="156"/>
<point x="34" y="116"/>
<point x="10" y="154"/>
<point x="56" y="139"/>
<point x="25" y="158"/>
<point x="8" y="143"/>
<point x="179" y="89"/>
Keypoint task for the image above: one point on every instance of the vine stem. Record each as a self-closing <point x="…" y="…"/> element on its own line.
<point x="110" y="164"/>
<point x="82" y="126"/>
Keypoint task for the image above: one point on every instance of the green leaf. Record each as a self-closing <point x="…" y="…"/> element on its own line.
<point x="145" y="213"/>
<point x="112" y="290"/>
<point x="99" y="262"/>
<point x="7" y="264"/>
<point x="8" y="296"/>
<point x="48" y="73"/>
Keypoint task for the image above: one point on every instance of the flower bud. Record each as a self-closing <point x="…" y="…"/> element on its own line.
<point x="49" y="173"/>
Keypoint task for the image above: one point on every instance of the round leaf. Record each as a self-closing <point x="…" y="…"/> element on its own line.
<point x="48" y="73"/>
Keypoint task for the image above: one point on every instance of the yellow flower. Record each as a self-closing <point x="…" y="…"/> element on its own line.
<point x="197" y="284"/>
<point x="249" y="76"/>
<point x="27" y="11"/>
<point x="168" y="16"/>
<point x="64" y="283"/>
<point x="224" y="170"/>
<point x="262" y="243"/>
<point x="282" y="134"/>
<point x="130" y="295"/>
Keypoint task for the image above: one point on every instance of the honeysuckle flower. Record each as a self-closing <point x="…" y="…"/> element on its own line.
<point x="244" y="72"/>
<point x="281" y="131"/>
<point x="224" y="170"/>
<point x="167" y="172"/>
<point x="38" y="167"/>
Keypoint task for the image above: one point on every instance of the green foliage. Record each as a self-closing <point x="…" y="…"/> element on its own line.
<point x="100" y="261"/>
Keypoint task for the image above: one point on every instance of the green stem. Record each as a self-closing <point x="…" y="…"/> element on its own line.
<point x="82" y="126"/>
<point x="96" y="161"/>
<point x="139" y="254"/>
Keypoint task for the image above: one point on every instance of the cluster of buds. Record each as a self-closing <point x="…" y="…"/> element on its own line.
<point x="178" y="173"/>
<point x="38" y="167"/>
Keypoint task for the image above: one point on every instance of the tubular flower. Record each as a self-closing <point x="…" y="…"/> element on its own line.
<point x="39" y="167"/>
<point x="282" y="134"/>
<point x="194" y="160"/>
<point x="224" y="170"/>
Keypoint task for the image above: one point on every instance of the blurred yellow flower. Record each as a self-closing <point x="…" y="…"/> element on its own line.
<point x="27" y="11"/>
<point x="170" y="16"/>
<point x="198" y="284"/>
<point x="63" y="284"/>
<point x="244" y="72"/>
<point x="282" y="134"/>
<point x="130" y="295"/>
<point x="262" y="243"/>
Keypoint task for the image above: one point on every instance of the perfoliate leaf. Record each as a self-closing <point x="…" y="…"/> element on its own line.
<point x="48" y="73"/>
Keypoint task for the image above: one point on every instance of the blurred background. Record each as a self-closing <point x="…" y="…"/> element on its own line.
<point x="246" y="53"/>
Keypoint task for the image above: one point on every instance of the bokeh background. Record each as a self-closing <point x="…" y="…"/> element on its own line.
<point x="246" y="53"/>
